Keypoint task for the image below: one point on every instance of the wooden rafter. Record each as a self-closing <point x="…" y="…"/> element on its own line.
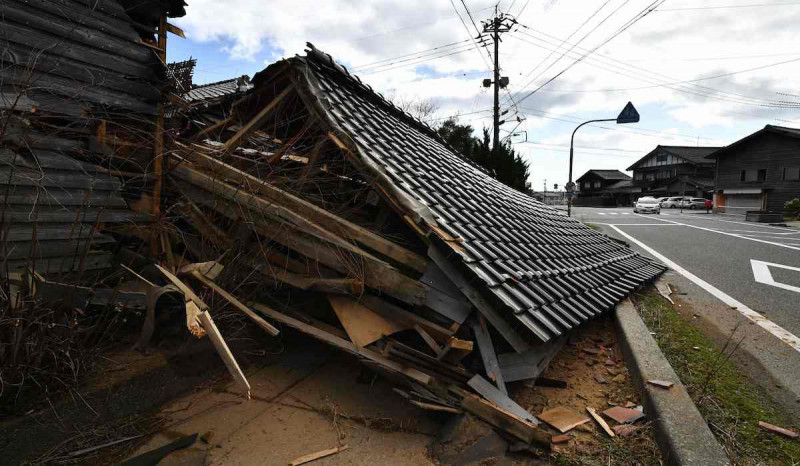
<point x="257" y="120"/>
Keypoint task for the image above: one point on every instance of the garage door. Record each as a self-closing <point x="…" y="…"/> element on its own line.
<point x="740" y="203"/>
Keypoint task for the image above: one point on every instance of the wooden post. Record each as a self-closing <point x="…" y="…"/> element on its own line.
<point x="158" y="140"/>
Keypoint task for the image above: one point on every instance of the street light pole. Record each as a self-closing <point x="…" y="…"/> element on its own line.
<point x="627" y="115"/>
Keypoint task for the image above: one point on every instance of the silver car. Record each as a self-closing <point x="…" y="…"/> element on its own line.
<point x="647" y="205"/>
<point x="694" y="203"/>
<point x="672" y="202"/>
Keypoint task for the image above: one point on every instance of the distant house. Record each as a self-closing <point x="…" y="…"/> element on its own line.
<point x="758" y="172"/>
<point x="603" y="188"/>
<point x="675" y="171"/>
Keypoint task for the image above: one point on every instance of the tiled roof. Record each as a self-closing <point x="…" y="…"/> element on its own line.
<point x="784" y="130"/>
<point x="694" y="154"/>
<point x="218" y="89"/>
<point x="546" y="272"/>
<point x="607" y="174"/>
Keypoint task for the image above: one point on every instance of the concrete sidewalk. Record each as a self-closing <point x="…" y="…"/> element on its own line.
<point x="311" y="399"/>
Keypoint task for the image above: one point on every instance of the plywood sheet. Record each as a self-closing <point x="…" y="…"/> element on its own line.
<point x="362" y="325"/>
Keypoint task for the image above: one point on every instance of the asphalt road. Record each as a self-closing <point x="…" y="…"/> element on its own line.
<point x="734" y="272"/>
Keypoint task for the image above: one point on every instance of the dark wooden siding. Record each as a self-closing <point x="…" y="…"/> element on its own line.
<point x="770" y="151"/>
<point x="90" y="59"/>
<point x="67" y="65"/>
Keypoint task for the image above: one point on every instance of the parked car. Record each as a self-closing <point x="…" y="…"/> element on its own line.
<point x="672" y="202"/>
<point x="647" y="205"/>
<point x="661" y="199"/>
<point x="694" y="203"/>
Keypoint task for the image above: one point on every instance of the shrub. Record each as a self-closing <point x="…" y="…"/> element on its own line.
<point x="792" y="207"/>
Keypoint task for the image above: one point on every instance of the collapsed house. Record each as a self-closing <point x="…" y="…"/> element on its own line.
<point x="302" y="198"/>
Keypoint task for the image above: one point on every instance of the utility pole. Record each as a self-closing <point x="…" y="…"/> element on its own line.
<point x="498" y="24"/>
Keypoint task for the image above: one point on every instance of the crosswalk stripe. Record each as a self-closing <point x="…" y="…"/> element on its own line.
<point x="613" y="213"/>
<point x="601" y="213"/>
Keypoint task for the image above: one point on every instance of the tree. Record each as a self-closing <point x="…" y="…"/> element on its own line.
<point x="421" y="109"/>
<point x="507" y="166"/>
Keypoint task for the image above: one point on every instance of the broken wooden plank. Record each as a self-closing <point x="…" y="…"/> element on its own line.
<point x="490" y="363"/>
<point x="399" y="314"/>
<point x="344" y="345"/>
<point x="310" y="211"/>
<point x="455" y="350"/>
<point x="505" y="329"/>
<point x="315" y="456"/>
<point x="224" y="352"/>
<point x="506" y="421"/>
<point x="600" y="421"/>
<point x="361" y="324"/>
<point x="529" y="364"/>
<point x="493" y="394"/>
<point x="209" y="270"/>
<point x="435" y="407"/>
<point x="185" y="289"/>
<point x="257" y="120"/>
<point x="428" y="339"/>
<point x="266" y="326"/>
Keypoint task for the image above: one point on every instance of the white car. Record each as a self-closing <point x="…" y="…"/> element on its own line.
<point x="672" y="202"/>
<point x="647" y="205"/>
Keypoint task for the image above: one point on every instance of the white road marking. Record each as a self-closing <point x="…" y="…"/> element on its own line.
<point x="613" y="213"/>
<point x="750" y="224"/>
<point x="626" y="213"/>
<point x="768" y="325"/>
<point x="762" y="274"/>
<point x="601" y="213"/>
<point x="637" y="224"/>
<point x="730" y="234"/>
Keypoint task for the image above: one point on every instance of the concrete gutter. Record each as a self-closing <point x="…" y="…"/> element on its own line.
<point x="681" y="432"/>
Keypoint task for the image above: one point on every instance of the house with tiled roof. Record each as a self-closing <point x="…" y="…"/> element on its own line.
<point x="675" y="171"/>
<point x="759" y="172"/>
<point x="533" y="272"/>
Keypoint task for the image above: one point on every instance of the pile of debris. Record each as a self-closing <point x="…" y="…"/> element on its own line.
<point x="305" y="200"/>
<point x="367" y="232"/>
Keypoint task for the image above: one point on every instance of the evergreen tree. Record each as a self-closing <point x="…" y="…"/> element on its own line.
<point x="508" y="166"/>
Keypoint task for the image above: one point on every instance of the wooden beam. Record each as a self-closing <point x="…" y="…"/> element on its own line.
<point x="257" y="120"/>
<point x="345" y="345"/>
<point x="310" y="211"/>
<point x="478" y="325"/>
<point x="372" y="271"/>
<point x="435" y="407"/>
<point x="224" y="351"/>
<point x="491" y="393"/>
<point x="398" y="313"/>
<point x="455" y="350"/>
<point x="249" y="201"/>
<point x="266" y="326"/>
<point x="484" y="307"/>
<point x="530" y="364"/>
<point x="506" y="421"/>
<point x="428" y="339"/>
<point x="210" y="129"/>
<point x="176" y="30"/>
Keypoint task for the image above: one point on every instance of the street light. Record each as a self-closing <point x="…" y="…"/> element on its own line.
<point x="627" y="115"/>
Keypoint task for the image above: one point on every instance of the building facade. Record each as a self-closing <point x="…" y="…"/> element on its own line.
<point x="599" y="188"/>
<point x="675" y="171"/>
<point x="759" y="172"/>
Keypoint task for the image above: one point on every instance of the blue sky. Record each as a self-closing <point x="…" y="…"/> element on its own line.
<point x="661" y="63"/>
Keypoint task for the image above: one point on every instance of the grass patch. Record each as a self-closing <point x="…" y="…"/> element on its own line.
<point x="728" y="400"/>
<point x="592" y="226"/>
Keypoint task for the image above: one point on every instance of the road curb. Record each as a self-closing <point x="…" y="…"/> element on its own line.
<point x="681" y="432"/>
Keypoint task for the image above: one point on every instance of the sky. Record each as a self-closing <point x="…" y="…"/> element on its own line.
<point x="701" y="73"/>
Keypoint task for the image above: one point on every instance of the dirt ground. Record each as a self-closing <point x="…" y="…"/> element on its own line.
<point x="599" y="381"/>
<point x="310" y="398"/>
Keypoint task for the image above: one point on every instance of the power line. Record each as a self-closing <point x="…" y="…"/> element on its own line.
<point x="368" y="65"/>
<point x="562" y="43"/>
<point x="619" y="31"/>
<point x="647" y="76"/>
<point x="488" y="67"/>
<point x="415" y="63"/>
<point x="723" y="7"/>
